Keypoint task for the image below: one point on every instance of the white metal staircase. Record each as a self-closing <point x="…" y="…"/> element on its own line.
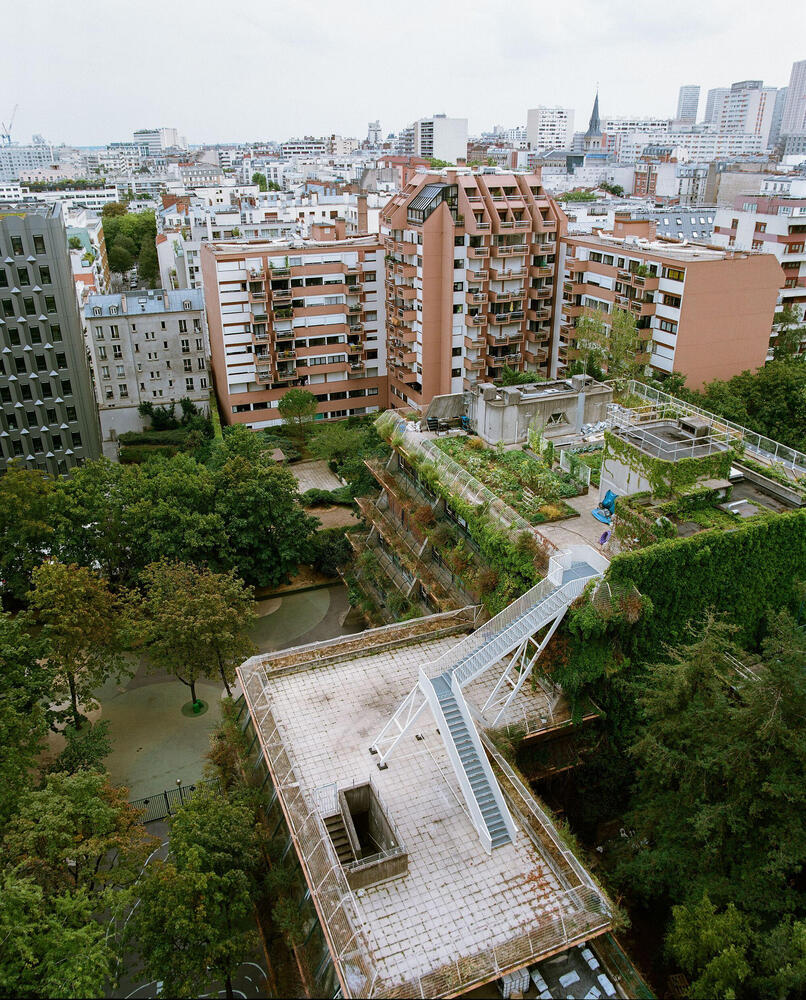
<point x="510" y="639"/>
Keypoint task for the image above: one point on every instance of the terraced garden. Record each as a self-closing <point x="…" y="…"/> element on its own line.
<point x="529" y="486"/>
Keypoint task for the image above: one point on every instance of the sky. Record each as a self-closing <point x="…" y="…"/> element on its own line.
<point x="275" y="69"/>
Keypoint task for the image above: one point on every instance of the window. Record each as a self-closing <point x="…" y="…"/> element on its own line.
<point x="187" y="364"/>
<point x="114" y="333"/>
<point x="674" y="274"/>
<point x="458" y="241"/>
<point x="46" y="389"/>
<point x="458" y="308"/>
<point x="186" y="305"/>
<point x="3" y="278"/>
<point x="183" y="326"/>
<point x="14" y="337"/>
<point x="202" y="383"/>
<point x="41" y="363"/>
<point x="35" y="334"/>
<point x="761" y="227"/>
<point x="757" y="245"/>
<point x="199" y="345"/>
<point x="185" y="346"/>
<point x="39" y="244"/>
<point x="671" y="300"/>
<point x="105" y="371"/>
<point x="99" y="333"/>
<point x="67" y="387"/>
<point x="113" y="310"/>
<point x="36" y="443"/>
<point x="71" y="413"/>
<point x="458" y="286"/>
<point x="55" y="333"/>
<point x="50" y="304"/>
<point x="23" y="277"/>
<point x="669" y="326"/>
<point x="123" y="391"/>
<point x="29" y="307"/>
<point x="795" y="248"/>
<point x="456" y="372"/>
<point x="119" y="371"/>
<point x="117" y="351"/>
<point x="102" y="353"/>
<point x="97" y="311"/>
<point x="110" y="392"/>
<point x="16" y="245"/>
<point x="51" y="415"/>
<point x="61" y="360"/>
<point x="76" y="437"/>
<point x="44" y="274"/>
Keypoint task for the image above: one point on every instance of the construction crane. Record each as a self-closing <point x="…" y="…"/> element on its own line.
<point x="5" y="135"/>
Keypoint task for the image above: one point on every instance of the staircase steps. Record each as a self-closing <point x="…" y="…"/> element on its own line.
<point x="338" y="834"/>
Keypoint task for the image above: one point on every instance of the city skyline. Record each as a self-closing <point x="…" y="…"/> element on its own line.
<point x="711" y="46"/>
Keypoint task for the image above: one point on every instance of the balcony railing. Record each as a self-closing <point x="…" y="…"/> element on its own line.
<point x="478" y="251"/>
<point x="476" y="275"/>
<point x="509" y="317"/>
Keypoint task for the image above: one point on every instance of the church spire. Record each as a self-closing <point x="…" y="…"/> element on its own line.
<point x="595" y="128"/>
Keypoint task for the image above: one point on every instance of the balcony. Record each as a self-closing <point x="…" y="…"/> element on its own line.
<point x="573" y="310"/>
<point x="474" y="197"/>
<point x="354" y="289"/>
<point x="352" y="269"/>
<point x="518" y="225"/>
<point x="476" y="275"/>
<point x="264" y="377"/>
<point x="541" y="271"/>
<point x="255" y="296"/>
<point x="354" y="310"/>
<point x="405" y="270"/>
<point x="478" y="251"/>
<point x="479" y="320"/>
<point x="283" y="334"/>
<point x="642" y="308"/>
<point x="280" y="272"/>
<point x="649" y="282"/>
<point x="354" y="349"/>
<point x="481" y="227"/>
<point x="544" y="292"/>
<point x="407" y="292"/>
<point x="263" y="360"/>
<point x="357" y="366"/>
<point x="509" y="317"/>
<point x="281" y="295"/>
<point x="508" y="272"/>
<point x="475" y="343"/>
<point x="256" y="273"/>
<point x="538" y="315"/>
<point x="513" y="296"/>
<point x="549" y="224"/>
<point x="477" y="298"/>
<point x="287" y="354"/>
<point x="286" y="375"/>
<point x="510" y="250"/>
<point x="356" y="327"/>
<point x="283" y="312"/>
<point x="474" y="364"/>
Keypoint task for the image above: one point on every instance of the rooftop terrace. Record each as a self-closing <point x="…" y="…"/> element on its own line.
<point x="458" y="916"/>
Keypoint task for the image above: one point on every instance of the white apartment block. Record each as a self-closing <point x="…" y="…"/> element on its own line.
<point x="688" y="101"/>
<point x="748" y="108"/>
<point x="146" y="347"/>
<point x="713" y="104"/>
<point x="549" y="128"/>
<point x="16" y="159"/>
<point x="441" y="137"/>
<point x="793" y="121"/>
<point x="159" y="139"/>
<point x="706" y="145"/>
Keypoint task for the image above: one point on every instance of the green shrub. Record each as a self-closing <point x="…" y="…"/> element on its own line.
<point x="330" y="550"/>
<point x="326" y="498"/>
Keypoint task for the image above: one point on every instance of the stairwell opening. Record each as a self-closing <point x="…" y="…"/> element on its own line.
<point x="365" y="840"/>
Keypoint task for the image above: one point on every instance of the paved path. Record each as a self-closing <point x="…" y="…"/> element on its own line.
<point x="314" y="475"/>
<point x="576" y="530"/>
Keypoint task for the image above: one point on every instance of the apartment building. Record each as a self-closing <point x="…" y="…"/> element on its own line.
<point x="296" y="313"/>
<point x="771" y="225"/>
<point x="549" y="128"/>
<point x="48" y="418"/>
<point x="793" y="119"/>
<point x="442" y="138"/>
<point x="471" y="261"/>
<point x="148" y="346"/>
<point x="748" y="108"/>
<point x="701" y="311"/>
<point x="688" y="101"/>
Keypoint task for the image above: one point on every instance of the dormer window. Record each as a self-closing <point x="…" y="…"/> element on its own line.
<point x="113" y="310"/>
<point x="97" y="311"/>
<point x="186" y="304"/>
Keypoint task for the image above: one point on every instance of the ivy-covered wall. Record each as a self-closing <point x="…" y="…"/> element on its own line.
<point x="742" y="572"/>
<point x="666" y="478"/>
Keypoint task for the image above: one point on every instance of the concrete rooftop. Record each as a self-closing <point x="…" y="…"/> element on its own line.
<point x="459" y="916"/>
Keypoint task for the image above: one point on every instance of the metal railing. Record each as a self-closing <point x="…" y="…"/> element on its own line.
<point x="754" y="442"/>
<point x="635" y="425"/>
<point x="169" y="800"/>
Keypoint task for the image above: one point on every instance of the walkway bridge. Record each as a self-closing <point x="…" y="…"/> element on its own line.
<point x="511" y="643"/>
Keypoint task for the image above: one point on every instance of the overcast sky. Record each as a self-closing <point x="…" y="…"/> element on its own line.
<point x="230" y="70"/>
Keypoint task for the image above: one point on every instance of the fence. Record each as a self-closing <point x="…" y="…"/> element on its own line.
<point x="169" y="800"/>
<point x="575" y="467"/>
<point x="771" y="450"/>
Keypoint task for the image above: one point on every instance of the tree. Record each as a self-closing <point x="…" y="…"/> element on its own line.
<point x="436" y="164"/>
<point x="78" y="832"/>
<point x="511" y="376"/>
<point x="590" y="337"/>
<point x="266" y="529"/>
<point x="120" y="260"/>
<point x="26" y="526"/>
<point x="23" y="685"/>
<point x="790" y="333"/>
<point x="148" y="264"/>
<point x="74" y="243"/>
<point x="84" y="749"/>
<point x="297" y="408"/>
<point x="274" y="186"/>
<point x="710" y="947"/>
<point x="52" y="945"/>
<point x="609" y="343"/>
<point x="196" y="912"/>
<point x="197" y="621"/>
<point x="80" y="622"/>
<point x="259" y="179"/>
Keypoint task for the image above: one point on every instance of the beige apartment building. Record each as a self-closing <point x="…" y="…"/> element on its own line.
<point x="702" y="311"/>
<point x="296" y="313"/>
<point x="471" y="260"/>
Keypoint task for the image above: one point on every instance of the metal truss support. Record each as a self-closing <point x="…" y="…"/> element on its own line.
<point x="400" y="723"/>
<point x="517" y="670"/>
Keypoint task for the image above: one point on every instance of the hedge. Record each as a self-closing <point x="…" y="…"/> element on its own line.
<point x="174" y="437"/>
<point x="742" y="572"/>
<point x="133" y="453"/>
<point x="342" y="495"/>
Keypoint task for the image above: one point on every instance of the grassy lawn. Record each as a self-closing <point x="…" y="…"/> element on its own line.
<point x="530" y="487"/>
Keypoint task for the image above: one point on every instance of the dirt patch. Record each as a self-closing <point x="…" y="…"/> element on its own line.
<point x="333" y="517"/>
